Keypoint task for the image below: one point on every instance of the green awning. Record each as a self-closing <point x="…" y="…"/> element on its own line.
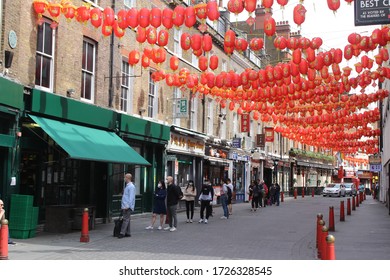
<point x="86" y="143"/>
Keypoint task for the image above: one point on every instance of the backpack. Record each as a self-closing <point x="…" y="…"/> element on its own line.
<point x="229" y="191"/>
<point x="256" y="191"/>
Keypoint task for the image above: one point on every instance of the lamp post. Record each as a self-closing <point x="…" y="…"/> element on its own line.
<point x="276" y="162"/>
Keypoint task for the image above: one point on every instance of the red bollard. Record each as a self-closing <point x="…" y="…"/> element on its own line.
<point x="84" y="227"/>
<point x="361" y="197"/>
<point x="312" y="193"/>
<point x="321" y="224"/>
<point x="282" y="197"/>
<point x="4" y="240"/>
<point x="303" y="192"/>
<point x="330" y="252"/>
<point x="295" y="193"/>
<point x="324" y="251"/>
<point x="319" y="218"/>
<point x="357" y="200"/>
<point x="348" y="206"/>
<point x="342" y="215"/>
<point x="331" y="219"/>
<point x="353" y="204"/>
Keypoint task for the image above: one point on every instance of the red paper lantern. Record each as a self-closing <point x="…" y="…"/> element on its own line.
<point x="155" y="17"/>
<point x="337" y="56"/>
<point x="269" y="25"/>
<point x="68" y="10"/>
<point x="213" y="62"/>
<point x="198" y="53"/>
<point x="119" y="32"/>
<point x="241" y="44"/>
<point x="185" y="41"/>
<point x="334" y="5"/>
<point x="203" y="63"/>
<point x="299" y="14"/>
<point x="106" y="30"/>
<point x="256" y="44"/>
<point x="145" y="61"/>
<point x="282" y="2"/>
<point x="132" y="18"/>
<point x="174" y="63"/>
<point x="207" y="43"/>
<point x="140" y="35"/>
<point x="201" y="11"/>
<point x="304" y="43"/>
<point x="316" y="43"/>
<point x="54" y="10"/>
<point x="108" y="16"/>
<point x="212" y="10"/>
<point x="159" y="55"/>
<point x="235" y="6"/>
<point x="280" y="42"/>
<point x="354" y="38"/>
<point x="134" y="57"/>
<point x="178" y="16"/>
<point x="250" y="5"/>
<point x="297" y="56"/>
<point x="189" y="17"/>
<point x="162" y="38"/>
<point x="122" y="23"/>
<point x="167" y="21"/>
<point x="267" y="4"/>
<point x="96" y="17"/>
<point x="40" y="7"/>
<point x="151" y="35"/>
<point x="292" y="43"/>
<point x="228" y="50"/>
<point x="230" y="38"/>
<point x="196" y="42"/>
<point x="348" y="52"/>
<point x="144" y="17"/>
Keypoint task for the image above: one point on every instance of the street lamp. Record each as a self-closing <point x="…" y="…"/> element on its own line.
<point x="276" y="162"/>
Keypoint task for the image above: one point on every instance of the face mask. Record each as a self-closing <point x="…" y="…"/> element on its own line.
<point x="159" y="185"/>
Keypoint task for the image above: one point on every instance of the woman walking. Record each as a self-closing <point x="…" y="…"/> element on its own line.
<point x="189" y="197"/>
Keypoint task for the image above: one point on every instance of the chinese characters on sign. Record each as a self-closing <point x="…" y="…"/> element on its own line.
<point x="245" y="123"/>
<point x="181" y="108"/>
<point x="260" y="140"/>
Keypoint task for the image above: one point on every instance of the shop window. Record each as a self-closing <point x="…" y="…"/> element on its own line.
<point x="88" y="70"/>
<point x="130" y="3"/>
<point x="194" y="115"/>
<point x="176" y="42"/>
<point x="44" y="66"/>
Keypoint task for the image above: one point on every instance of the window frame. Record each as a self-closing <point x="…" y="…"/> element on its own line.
<point x="177" y="32"/>
<point x="86" y="71"/>
<point x="46" y="24"/>
<point x="126" y="74"/>
<point x="152" y="97"/>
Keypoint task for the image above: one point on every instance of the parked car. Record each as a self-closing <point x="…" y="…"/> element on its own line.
<point x="334" y="190"/>
<point x="350" y="189"/>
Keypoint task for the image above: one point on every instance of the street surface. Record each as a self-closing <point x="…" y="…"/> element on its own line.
<point x="285" y="232"/>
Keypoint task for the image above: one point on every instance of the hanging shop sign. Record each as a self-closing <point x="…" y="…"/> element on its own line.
<point x="372" y="12"/>
<point x="260" y="140"/>
<point x="269" y="134"/>
<point x="236" y="143"/>
<point x="245" y="123"/>
<point x="186" y="144"/>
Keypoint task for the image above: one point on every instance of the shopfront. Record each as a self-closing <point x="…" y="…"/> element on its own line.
<point x="184" y="158"/>
<point x="72" y="156"/>
<point x="241" y="173"/>
<point x="11" y="108"/>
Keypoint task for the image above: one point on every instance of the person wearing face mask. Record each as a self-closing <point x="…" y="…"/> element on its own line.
<point x="159" y="207"/>
<point x="189" y="197"/>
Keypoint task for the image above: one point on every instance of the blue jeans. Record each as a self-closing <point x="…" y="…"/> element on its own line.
<point x="224" y="200"/>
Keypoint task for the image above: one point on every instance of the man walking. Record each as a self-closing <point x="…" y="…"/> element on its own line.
<point x="128" y="204"/>
<point x="174" y="194"/>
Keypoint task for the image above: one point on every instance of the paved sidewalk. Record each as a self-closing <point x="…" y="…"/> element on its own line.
<point x="274" y="233"/>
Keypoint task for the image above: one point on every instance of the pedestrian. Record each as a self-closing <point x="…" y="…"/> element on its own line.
<point x="127" y="206"/>
<point x="189" y="197"/>
<point x="159" y="207"/>
<point x="230" y="195"/>
<point x="174" y="194"/>
<point x="205" y="198"/>
<point x="277" y="194"/>
<point x="224" y="199"/>
<point x="2" y="217"/>
<point x="272" y="191"/>
<point x="255" y="196"/>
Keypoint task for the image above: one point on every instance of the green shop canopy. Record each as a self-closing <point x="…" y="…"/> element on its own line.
<point x="86" y="143"/>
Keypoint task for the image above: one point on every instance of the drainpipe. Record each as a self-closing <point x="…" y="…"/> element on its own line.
<point x="111" y="66"/>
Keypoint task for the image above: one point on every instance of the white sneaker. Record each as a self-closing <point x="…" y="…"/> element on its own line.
<point x="187" y="221"/>
<point x="159" y="228"/>
<point x="200" y="221"/>
<point x="223" y="218"/>
<point x="191" y="221"/>
<point x="149" y="227"/>
<point x="172" y="229"/>
<point x="167" y="228"/>
<point x="205" y="221"/>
